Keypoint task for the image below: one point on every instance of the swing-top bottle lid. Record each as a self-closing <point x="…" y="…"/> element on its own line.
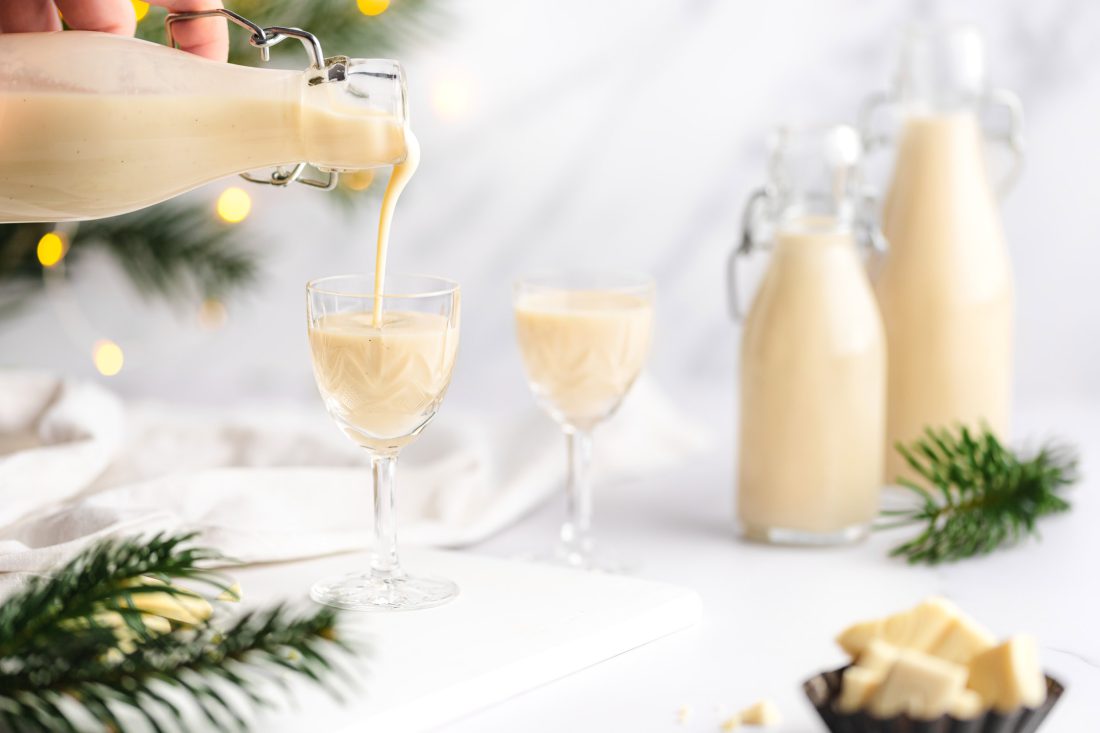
<point x="942" y="66"/>
<point x="814" y="171"/>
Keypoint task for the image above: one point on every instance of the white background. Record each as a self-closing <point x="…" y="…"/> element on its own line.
<point x="622" y="134"/>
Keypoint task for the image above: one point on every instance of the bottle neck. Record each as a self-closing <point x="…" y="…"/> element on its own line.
<point x="942" y="70"/>
<point x="814" y="176"/>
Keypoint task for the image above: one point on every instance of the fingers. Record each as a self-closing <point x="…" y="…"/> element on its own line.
<point x="107" y="16"/>
<point x="25" y="16"/>
<point x="207" y="37"/>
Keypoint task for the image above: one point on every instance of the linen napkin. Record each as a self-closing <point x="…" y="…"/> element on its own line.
<point x="77" y="465"/>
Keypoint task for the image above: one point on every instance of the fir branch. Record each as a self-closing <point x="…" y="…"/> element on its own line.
<point x="976" y="494"/>
<point x="99" y="579"/>
<point x="57" y="653"/>
<point x="174" y="251"/>
<point x="338" y="24"/>
<point x="178" y="251"/>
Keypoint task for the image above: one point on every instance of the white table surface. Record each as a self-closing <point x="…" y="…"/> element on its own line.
<point x="769" y="614"/>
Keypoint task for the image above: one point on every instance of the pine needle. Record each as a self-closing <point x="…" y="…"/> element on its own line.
<point x="57" y="651"/>
<point x="976" y="495"/>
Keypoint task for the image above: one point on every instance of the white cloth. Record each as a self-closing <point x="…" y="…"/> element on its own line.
<point x="76" y="465"/>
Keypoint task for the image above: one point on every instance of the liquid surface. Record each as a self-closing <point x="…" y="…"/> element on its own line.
<point x="383" y="384"/>
<point x="813" y="391"/>
<point x="583" y="349"/>
<point x="944" y="287"/>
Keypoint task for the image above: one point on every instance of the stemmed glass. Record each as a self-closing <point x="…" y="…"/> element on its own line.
<point x="584" y="338"/>
<point x="382" y="372"/>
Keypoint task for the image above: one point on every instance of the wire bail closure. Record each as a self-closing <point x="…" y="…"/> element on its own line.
<point x="326" y="70"/>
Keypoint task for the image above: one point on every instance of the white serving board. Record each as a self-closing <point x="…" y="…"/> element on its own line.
<point x="515" y="625"/>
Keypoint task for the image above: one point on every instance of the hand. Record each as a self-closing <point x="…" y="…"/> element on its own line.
<point x="207" y="37"/>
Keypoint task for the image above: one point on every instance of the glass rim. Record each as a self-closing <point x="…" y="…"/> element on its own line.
<point x="641" y="280"/>
<point x="374" y="66"/>
<point x="446" y="287"/>
<point x="374" y="60"/>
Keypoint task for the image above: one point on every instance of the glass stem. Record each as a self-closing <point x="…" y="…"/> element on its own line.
<point x="384" y="564"/>
<point x="576" y="535"/>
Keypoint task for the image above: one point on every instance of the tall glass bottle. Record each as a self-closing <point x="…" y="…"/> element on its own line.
<point x="813" y="362"/>
<point x="96" y="124"/>
<point x="944" y="285"/>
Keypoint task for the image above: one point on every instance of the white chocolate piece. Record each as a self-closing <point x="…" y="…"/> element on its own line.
<point x="232" y="593"/>
<point x="963" y="640"/>
<point x="879" y="656"/>
<point x="856" y="637"/>
<point x="114" y="620"/>
<point x="763" y="712"/>
<point x="920" y="627"/>
<point x="919" y="685"/>
<point x="184" y="607"/>
<point x="916" y="628"/>
<point x="967" y="705"/>
<point x="156" y="624"/>
<point x="1008" y="676"/>
<point x="857" y="685"/>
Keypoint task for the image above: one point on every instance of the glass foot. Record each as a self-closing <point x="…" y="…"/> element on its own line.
<point x="365" y="592"/>
<point x="784" y="536"/>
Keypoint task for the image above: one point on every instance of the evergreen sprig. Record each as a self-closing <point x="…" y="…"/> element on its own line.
<point x="977" y="495"/>
<point x="61" y="660"/>
<point x="338" y="24"/>
<point x="176" y="252"/>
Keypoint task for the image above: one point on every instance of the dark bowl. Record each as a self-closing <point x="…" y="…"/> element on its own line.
<point x="824" y="689"/>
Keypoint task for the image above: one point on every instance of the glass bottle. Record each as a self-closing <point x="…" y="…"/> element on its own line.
<point x="813" y="354"/>
<point x="96" y="124"/>
<point x="944" y="284"/>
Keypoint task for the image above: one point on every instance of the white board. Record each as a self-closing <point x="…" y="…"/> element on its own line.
<point x="514" y="626"/>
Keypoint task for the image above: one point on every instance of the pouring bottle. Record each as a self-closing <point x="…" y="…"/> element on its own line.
<point x="93" y="125"/>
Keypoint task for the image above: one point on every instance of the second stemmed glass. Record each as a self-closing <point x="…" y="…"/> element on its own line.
<point x="584" y="338"/>
<point x="382" y="365"/>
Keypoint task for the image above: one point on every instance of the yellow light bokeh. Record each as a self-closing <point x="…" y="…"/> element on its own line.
<point x="372" y="7"/>
<point x="234" y="204"/>
<point x="51" y="249"/>
<point x="141" y="9"/>
<point x="357" y="180"/>
<point x="108" y="358"/>
<point x="212" y="314"/>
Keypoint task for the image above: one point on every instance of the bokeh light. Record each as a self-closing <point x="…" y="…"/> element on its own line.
<point x="212" y="314"/>
<point x="373" y="7"/>
<point x="141" y="9"/>
<point x="234" y="204"/>
<point x="107" y="356"/>
<point x="357" y="180"/>
<point x="51" y="249"/>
